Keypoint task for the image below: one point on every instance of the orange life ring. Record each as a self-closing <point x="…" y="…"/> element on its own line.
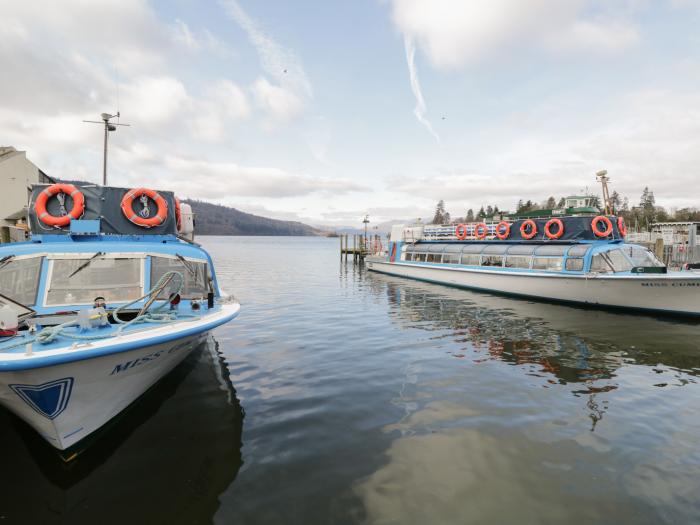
<point x="622" y="226"/>
<point x="51" y="220"/>
<point x="178" y="214"/>
<point x="503" y="235"/>
<point x="146" y="222"/>
<point x="481" y="230"/>
<point x="533" y="229"/>
<point x="548" y="228"/>
<point x="608" y="226"/>
<point x="461" y="231"/>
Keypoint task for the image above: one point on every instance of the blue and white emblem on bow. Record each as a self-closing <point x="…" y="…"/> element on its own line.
<point x="49" y="399"/>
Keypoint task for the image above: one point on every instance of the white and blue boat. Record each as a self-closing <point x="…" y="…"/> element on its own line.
<point x="578" y="259"/>
<point x="100" y="303"/>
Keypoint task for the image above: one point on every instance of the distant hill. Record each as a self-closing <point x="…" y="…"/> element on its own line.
<point x="213" y="219"/>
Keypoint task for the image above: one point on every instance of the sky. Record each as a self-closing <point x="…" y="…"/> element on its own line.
<point x="322" y="111"/>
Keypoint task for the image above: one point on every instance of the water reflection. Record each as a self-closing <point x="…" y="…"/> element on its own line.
<point x="518" y="411"/>
<point x="165" y="460"/>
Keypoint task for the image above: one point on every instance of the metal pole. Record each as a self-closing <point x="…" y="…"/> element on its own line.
<point x="104" y="159"/>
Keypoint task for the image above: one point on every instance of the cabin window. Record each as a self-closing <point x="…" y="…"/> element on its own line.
<point x="600" y="264"/>
<point x="517" y="261"/>
<point x="195" y="274"/>
<point x="408" y="256"/>
<point x="434" y="257"/>
<point x="450" y="258"/>
<point x="552" y="264"/>
<point x="574" y="264"/>
<point x="579" y="250"/>
<point x="19" y="279"/>
<point x="419" y="257"/>
<point x="641" y="256"/>
<point x="473" y="248"/>
<point x="521" y="249"/>
<point x="471" y="259"/>
<point x="620" y="263"/>
<point x="492" y="260"/>
<point x="117" y="280"/>
<point x="552" y="249"/>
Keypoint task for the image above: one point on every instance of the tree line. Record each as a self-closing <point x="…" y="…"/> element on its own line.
<point x="640" y="216"/>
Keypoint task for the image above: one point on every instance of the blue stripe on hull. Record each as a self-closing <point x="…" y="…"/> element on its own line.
<point x="52" y="360"/>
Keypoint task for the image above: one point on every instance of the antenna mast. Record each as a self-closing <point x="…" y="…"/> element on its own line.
<point x="602" y="177"/>
<point x="108" y="127"/>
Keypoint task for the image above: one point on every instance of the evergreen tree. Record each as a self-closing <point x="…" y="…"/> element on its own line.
<point x="615" y="200"/>
<point x="489" y="211"/>
<point x="551" y="203"/>
<point x="496" y="211"/>
<point x="439" y="217"/>
<point x="520" y="206"/>
<point x="561" y="203"/>
<point x="481" y="214"/>
<point x="470" y="215"/>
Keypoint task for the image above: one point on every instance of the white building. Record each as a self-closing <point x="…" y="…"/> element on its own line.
<point x="17" y="174"/>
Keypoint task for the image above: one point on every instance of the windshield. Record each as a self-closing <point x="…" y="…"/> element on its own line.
<point x="641" y="256"/>
<point x="19" y="279"/>
<point x="195" y="274"/>
<point x="611" y="261"/>
<point x="118" y="280"/>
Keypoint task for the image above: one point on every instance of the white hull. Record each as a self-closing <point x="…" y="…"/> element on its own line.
<point x="67" y="402"/>
<point x="677" y="292"/>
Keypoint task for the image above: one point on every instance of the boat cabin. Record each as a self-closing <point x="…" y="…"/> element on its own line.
<point x="55" y="277"/>
<point x="577" y="258"/>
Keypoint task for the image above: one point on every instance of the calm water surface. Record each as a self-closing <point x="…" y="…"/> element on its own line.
<point x="342" y="396"/>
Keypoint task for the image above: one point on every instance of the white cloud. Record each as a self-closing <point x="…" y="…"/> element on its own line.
<point x="420" y="110"/>
<point x="210" y="180"/>
<point x="293" y="89"/>
<point x="153" y="101"/>
<point x="279" y="102"/>
<point x="454" y="33"/>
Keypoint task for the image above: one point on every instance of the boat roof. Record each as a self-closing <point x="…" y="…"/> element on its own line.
<point x="160" y="244"/>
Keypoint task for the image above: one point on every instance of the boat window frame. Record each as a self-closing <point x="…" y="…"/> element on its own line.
<point x="548" y="269"/>
<point x="522" y="249"/>
<point x="528" y="257"/>
<point x="575" y="248"/>
<point x="207" y="275"/>
<point x="551" y="250"/>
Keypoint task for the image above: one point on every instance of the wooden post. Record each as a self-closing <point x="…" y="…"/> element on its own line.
<point x="659" y="249"/>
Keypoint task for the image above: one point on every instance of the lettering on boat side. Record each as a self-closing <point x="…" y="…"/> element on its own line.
<point x="678" y="285"/>
<point x="121" y="367"/>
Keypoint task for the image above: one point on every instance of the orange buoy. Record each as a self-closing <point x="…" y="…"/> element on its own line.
<point x="481" y="230"/>
<point x="548" y="228"/>
<point x="461" y="231"/>
<point x="596" y="228"/>
<point x="531" y="225"/>
<point x="178" y="214"/>
<point x="622" y="226"/>
<point x="145" y="222"/>
<point x="64" y="220"/>
<point x="503" y="230"/>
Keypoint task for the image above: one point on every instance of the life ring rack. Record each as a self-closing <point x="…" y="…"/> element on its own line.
<point x="524" y="229"/>
<point x="64" y="220"/>
<point x="548" y="228"/>
<point x="596" y="228"/>
<point x="481" y="230"/>
<point x="503" y="230"/>
<point x="145" y="222"/>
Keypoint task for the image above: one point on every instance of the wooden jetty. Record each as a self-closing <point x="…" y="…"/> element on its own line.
<point x="361" y="246"/>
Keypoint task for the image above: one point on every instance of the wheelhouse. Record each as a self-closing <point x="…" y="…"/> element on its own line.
<point x="54" y="279"/>
<point x="576" y="258"/>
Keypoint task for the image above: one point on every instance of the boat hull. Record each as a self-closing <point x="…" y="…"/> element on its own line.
<point x="68" y="393"/>
<point x="678" y="295"/>
<point x="66" y="403"/>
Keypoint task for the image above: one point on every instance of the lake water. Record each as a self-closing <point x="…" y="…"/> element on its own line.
<point x="345" y="396"/>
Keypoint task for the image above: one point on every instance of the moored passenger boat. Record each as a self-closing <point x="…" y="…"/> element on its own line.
<point x="579" y="259"/>
<point x="104" y="300"/>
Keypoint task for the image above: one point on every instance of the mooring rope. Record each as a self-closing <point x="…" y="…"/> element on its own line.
<point x="156" y="315"/>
